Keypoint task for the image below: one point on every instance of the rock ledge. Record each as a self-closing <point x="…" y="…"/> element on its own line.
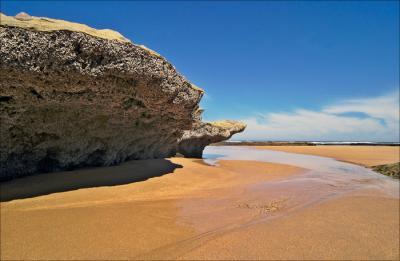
<point x="202" y="134"/>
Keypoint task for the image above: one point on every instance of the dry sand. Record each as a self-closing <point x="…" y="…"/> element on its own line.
<point x="362" y="155"/>
<point x="194" y="212"/>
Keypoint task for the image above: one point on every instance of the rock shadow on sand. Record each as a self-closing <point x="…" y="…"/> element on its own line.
<point x="47" y="183"/>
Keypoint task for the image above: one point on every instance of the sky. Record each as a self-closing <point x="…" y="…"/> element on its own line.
<point x="292" y="70"/>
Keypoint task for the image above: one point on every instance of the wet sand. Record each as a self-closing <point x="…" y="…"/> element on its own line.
<point x="120" y="222"/>
<point x="363" y="155"/>
<point x="349" y="228"/>
<point x="239" y="209"/>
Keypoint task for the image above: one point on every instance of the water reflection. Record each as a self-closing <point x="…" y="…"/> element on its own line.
<point x="324" y="179"/>
<point x="322" y="170"/>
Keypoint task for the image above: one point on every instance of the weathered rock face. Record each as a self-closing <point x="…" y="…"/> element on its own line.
<point x="202" y="134"/>
<point x="77" y="97"/>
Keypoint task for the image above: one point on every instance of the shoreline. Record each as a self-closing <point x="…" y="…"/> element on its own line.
<point x="199" y="211"/>
<point x="304" y="143"/>
<point x="389" y="166"/>
<point x="391" y="154"/>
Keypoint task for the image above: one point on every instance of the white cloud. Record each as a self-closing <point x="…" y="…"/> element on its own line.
<point x="379" y="121"/>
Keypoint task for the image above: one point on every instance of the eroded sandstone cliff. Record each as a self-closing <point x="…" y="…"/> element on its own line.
<point x="72" y="96"/>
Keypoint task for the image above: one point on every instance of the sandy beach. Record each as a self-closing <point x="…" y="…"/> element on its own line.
<point x="199" y="130"/>
<point x="363" y="155"/>
<point x="238" y="209"/>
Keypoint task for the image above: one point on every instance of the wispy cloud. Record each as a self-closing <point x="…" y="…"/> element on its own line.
<point x="366" y="119"/>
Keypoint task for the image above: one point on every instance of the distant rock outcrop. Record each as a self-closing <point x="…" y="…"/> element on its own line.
<point x="391" y="170"/>
<point x="72" y="96"/>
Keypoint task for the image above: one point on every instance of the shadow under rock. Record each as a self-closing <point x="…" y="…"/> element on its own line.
<point x="47" y="183"/>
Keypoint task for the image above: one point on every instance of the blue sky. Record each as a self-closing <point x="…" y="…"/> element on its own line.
<point x="279" y="66"/>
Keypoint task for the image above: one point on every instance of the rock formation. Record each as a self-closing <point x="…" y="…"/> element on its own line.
<point x="202" y="134"/>
<point x="72" y="96"/>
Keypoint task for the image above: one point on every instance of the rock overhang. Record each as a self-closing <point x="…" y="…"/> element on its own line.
<point x="76" y="96"/>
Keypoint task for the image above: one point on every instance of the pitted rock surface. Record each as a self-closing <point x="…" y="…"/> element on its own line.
<point x="70" y="99"/>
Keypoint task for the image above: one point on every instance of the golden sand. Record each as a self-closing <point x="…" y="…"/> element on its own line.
<point x="362" y="155"/>
<point x="194" y="212"/>
<point x="117" y="222"/>
<point x="350" y="228"/>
